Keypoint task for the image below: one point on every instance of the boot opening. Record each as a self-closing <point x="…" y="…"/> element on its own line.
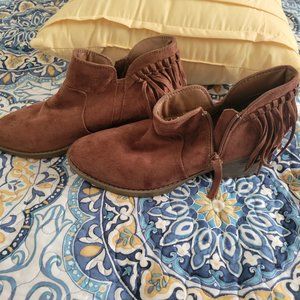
<point x="250" y="88"/>
<point x="92" y="57"/>
<point x="144" y="46"/>
<point x="148" y="45"/>
<point x="188" y="99"/>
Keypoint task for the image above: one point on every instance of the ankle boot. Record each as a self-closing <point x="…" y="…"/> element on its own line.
<point x="189" y="136"/>
<point x="95" y="96"/>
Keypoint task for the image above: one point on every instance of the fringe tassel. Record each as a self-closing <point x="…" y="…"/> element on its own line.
<point x="274" y="121"/>
<point x="291" y="116"/>
<point x="161" y="78"/>
<point x="279" y="123"/>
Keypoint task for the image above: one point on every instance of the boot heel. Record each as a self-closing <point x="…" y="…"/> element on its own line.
<point x="237" y="169"/>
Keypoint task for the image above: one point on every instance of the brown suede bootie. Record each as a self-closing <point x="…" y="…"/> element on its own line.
<point x="95" y="96"/>
<point x="189" y="136"/>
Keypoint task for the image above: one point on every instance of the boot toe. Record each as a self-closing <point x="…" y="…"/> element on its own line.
<point x="11" y="133"/>
<point x="92" y="160"/>
<point x="16" y="130"/>
<point x="116" y="160"/>
<point x="38" y="132"/>
<point x="103" y="158"/>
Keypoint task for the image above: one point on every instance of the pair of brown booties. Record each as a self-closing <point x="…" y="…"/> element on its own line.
<point x="136" y="129"/>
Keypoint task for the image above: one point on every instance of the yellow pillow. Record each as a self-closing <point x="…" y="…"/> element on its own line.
<point x="221" y="41"/>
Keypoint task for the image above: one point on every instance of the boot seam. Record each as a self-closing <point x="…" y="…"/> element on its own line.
<point x="113" y="117"/>
<point x="124" y="89"/>
<point x="83" y="109"/>
<point x="181" y="156"/>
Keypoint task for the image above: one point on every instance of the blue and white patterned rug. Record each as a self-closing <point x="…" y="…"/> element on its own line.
<point x="60" y="238"/>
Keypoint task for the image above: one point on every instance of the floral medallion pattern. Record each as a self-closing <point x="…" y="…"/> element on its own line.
<point x="61" y="238"/>
<point x="169" y="246"/>
<point x="244" y="237"/>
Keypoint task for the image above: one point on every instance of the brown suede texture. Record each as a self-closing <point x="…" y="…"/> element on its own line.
<point x="146" y="154"/>
<point x="96" y="95"/>
<point x="262" y="93"/>
<point x="189" y="134"/>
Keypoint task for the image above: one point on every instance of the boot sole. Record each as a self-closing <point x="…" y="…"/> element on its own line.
<point x="232" y="170"/>
<point x="36" y="155"/>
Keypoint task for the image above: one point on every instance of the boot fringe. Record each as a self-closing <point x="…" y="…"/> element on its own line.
<point x="160" y="78"/>
<point x="274" y="121"/>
